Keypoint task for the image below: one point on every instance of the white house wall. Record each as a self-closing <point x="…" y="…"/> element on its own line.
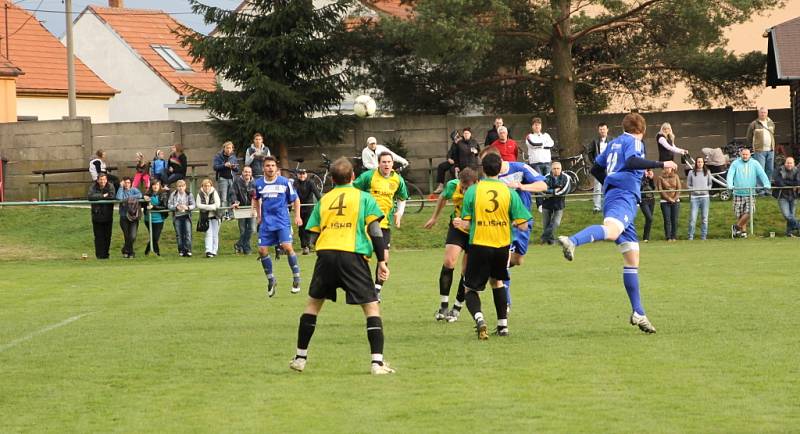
<point x="55" y="108"/>
<point x="143" y="94"/>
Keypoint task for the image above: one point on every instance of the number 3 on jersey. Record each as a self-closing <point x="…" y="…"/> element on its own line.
<point x="493" y="200"/>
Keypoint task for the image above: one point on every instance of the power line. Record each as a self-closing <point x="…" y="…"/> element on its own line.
<point x="109" y="13"/>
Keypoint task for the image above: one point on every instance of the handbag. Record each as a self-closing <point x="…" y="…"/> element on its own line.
<point x="202" y="223"/>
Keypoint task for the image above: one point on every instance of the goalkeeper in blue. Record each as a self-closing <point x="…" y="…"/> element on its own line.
<point x="620" y="168"/>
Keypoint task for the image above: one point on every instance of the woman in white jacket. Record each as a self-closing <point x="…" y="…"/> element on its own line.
<point x="208" y="201"/>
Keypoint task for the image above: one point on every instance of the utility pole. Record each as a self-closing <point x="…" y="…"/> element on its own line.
<point x="71" y="97"/>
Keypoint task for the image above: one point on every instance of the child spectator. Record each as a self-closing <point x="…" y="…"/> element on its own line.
<point x="129" y="213"/>
<point x="142" y="172"/>
<point x="668" y="183"/>
<point x="177" y="164"/>
<point x="158" y="168"/>
<point x="208" y="202"/>
<point x="182" y="204"/>
<point x="698" y="181"/>
<point x="648" y="202"/>
<point x="157" y="203"/>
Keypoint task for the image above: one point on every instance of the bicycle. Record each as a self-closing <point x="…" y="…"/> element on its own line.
<point x="579" y="173"/>
<point x="292" y="174"/>
<point x="416" y="199"/>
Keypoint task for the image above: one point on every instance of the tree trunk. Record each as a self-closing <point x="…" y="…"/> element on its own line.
<point x="282" y="154"/>
<point x="563" y="83"/>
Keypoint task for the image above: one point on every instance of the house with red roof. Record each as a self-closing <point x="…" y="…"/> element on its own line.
<point x="41" y="80"/>
<point x="135" y="51"/>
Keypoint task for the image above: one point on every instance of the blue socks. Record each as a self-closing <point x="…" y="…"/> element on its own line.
<point x="588" y="235"/>
<point x="266" y="263"/>
<point x="293" y="265"/>
<point x="630" y="277"/>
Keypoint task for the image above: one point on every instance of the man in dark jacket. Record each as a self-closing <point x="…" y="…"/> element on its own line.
<point x="447" y="165"/>
<point x="244" y="189"/>
<point x="226" y="165"/>
<point x="787" y="176"/>
<point x="102" y="215"/>
<point x="558" y="185"/>
<point x="465" y="153"/>
<point x="493" y="135"/>
<point x="309" y="195"/>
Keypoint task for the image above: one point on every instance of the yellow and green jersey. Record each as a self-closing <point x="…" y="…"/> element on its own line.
<point x="452" y="191"/>
<point x="385" y="190"/>
<point x="341" y="218"/>
<point x="492" y="208"/>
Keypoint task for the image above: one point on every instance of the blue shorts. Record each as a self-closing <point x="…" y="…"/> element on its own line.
<point x="519" y="244"/>
<point x="621" y="205"/>
<point x="274" y="238"/>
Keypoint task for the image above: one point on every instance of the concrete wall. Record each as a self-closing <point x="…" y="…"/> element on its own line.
<point x="143" y="94"/>
<point x="54" y="108"/>
<point x="66" y="144"/>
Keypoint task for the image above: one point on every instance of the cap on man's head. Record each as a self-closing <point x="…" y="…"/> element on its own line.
<point x="301" y="171"/>
<point x="371" y="140"/>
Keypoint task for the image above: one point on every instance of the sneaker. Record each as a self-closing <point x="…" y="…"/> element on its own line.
<point x="441" y="314"/>
<point x="237" y="250"/>
<point x="181" y="254"/>
<point x="483" y="331"/>
<point x="734" y="231"/>
<point x="742" y="234"/>
<point x="295" y="286"/>
<point x="305" y="250"/>
<point x="189" y="254"/>
<point x="383" y="369"/>
<point x="298" y="364"/>
<point x="642" y="322"/>
<point x="209" y="255"/>
<point x="567" y="247"/>
<point x="452" y="315"/>
<point x="439" y="189"/>
<point x="501" y="331"/>
<point x="271" y="285"/>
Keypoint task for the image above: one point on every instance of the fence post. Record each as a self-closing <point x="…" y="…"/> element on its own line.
<point x="752" y="211"/>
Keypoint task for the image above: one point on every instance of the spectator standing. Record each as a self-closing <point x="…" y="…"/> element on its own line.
<point x="369" y="155"/>
<point x="129" y="213"/>
<point x="742" y="178"/>
<point x="226" y="165"/>
<point x="788" y="176"/>
<point x="668" y="183"/>
<point x="761" y="136"/>
<point x="594" y="149"/>
<point x="467" y="150"/>
<point x="244" y="190"/>
<point x="181" y="204"/>
<point x="558" y="185"/>
<point x="142" y="175"/>
<point x="208" y="202"/>
<point x="158" y="169"/>
<point x="666" y="144"/>
<point x="505" y="145"/>
<point x="308" y="194"/>
<point x="102" y="215"/>
<point x="539" y="145"/>
<point x="254" y="157"/>
<point x="157" y="202"/>
<point x="698" y="181"/>
<point x="177" y="164"/>
<point x="493" y="134"/>
<point x="648" y="201"/>
<point x="98" y="165"/>
<point x="448" y="164"/>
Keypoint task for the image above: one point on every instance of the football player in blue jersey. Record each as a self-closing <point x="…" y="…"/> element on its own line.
<point x="274" y="193"/>
<point x="620" y="167"/>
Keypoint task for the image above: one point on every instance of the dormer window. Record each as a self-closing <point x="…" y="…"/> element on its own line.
<point x="171" y="58"/>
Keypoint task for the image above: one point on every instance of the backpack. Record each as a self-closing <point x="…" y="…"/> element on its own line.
<point x="133" y="211"/>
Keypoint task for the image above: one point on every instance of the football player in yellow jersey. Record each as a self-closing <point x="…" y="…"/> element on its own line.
<point x="455" y="244"/>
<point x="489" y="211"/>
<point x="386" y="186"/>
<point x="346" y="220"/>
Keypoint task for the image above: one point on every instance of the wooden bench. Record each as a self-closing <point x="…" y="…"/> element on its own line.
<point x="43" y="186"/>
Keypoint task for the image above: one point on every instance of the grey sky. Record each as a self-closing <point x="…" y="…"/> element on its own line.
<point x="56" y="22"/>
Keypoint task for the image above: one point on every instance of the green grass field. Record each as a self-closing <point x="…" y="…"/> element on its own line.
<point x="193" y="345"/>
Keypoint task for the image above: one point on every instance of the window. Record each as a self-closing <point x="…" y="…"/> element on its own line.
<point x="171" y="58"/>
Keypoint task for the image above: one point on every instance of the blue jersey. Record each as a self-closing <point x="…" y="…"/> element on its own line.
<point x="275" y="196"/>
<point x="523" y="174"/>
<point x="613" y="159"/>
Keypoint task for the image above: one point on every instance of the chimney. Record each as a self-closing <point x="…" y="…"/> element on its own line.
<point x="115" y="4"/>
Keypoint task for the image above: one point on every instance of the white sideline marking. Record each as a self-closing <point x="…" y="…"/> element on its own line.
<point x="16" y="342"/>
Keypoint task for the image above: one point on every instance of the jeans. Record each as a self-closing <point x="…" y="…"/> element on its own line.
<point x="157" y="227"/>
<point x="245" y="232"/>
<point x="551" y="220"/>
<point x="767" y="161"/>
<point x="670" y="212"/>
<point x="647" y="212"/>
<point x="597" y="198"/>
<point x="305" y="236"/>
<point x="102" y="238"/>
<point x="183" y="233"/>
<point x="129" y="231"/>
<point x="212" y="236"/>
<point x="175" y="177"/>
<point x="225" y="190"/>
<point x="787" y="207"/>
<point x="699" y="203"/>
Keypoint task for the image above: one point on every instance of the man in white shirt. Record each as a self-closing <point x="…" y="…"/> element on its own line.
<point x="539" y="145"/>
<point x="369" y="156"/>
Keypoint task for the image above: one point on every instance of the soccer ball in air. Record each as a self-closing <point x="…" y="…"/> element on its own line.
<point x="364" y="106"/>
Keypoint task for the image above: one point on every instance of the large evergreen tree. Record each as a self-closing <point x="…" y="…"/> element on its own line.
<point x="285" y="62"/>
<point x="556" y="56"/>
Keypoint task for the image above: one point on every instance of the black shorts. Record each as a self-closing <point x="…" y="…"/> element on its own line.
<point x="387" y="237"/>
<point x="484" y="263"/>
<point x="457" y="237"/>
<point x="350" y="271"/>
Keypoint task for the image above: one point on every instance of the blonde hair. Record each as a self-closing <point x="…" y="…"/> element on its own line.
<point x="206" y="181"/>
<point x="227" y="143"/>
<point x="180" y="182"/>
<point x="671" y="135"/>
